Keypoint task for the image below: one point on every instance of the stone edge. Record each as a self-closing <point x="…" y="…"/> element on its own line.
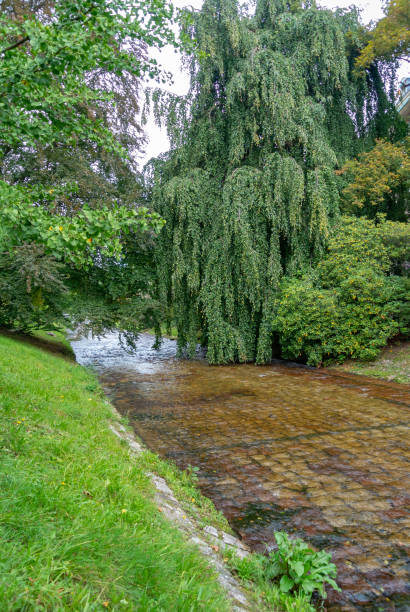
<point x="209" y="540"/>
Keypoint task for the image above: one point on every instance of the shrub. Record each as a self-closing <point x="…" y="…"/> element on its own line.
<point x="378" y="181"/>
<point x="349" y="305"/>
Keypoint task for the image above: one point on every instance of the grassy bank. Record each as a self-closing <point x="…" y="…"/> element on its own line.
<point x="393" y="364"/>
<point x="52" y="342"/>
<point x="78" y="526"/>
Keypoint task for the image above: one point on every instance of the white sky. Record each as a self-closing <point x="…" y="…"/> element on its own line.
<point x="170" y="60"/>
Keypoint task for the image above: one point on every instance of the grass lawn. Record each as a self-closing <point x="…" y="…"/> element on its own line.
<point x="393" y="364"/>
<point x="78" y="526"/>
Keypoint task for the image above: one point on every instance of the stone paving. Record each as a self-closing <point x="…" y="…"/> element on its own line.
<point x="322" y="455"/>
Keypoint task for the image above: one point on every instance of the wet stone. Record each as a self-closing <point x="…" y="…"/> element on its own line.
<point x="319" y="454"/>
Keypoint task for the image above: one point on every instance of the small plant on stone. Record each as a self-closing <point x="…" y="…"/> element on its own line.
<point x="301" y="570"/>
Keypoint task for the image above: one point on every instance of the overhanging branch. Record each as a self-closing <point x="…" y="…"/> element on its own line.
<point x="16" y="44"/>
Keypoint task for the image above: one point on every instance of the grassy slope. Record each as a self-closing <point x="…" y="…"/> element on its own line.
<point x="55" y="338"/>
<point x="52" y="342"/>
<point x="78" y="528"/>
<point x="393" y="364"/>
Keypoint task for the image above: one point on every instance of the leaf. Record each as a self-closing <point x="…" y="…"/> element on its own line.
<point x="273" y="569"/>
<point x="298" y="568"/>
<point x="286" y="584"/>
<point x="308" y="586"/>
<point x="333" y="584"/>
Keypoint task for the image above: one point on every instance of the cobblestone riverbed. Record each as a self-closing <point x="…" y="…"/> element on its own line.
<point x="321" y="455"/>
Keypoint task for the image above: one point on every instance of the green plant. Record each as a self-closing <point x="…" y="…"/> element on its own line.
<point x="287" y="578"/>
<point x="350" y="304"/>
<point x="300" y="568"/>
<point x="192" y="471"/>
<point x="33" y="293"/>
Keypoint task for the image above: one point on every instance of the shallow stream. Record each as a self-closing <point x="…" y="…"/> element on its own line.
<point x="320" y="454"/>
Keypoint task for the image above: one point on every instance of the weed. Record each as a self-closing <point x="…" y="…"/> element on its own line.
<point x="300" y="568"/>
<point x="287" y="578"/>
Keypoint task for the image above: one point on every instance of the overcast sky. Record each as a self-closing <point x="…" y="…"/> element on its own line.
<point x="157" y="138"/>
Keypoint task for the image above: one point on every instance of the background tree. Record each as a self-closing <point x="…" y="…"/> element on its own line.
<point x="390" y="38"/>
<point x="44" y="63"/>
<point x="99" y="174"/>
<point x="249" y="191"/>
<point x="58" y="113"/>
<point x="379" y="181"/>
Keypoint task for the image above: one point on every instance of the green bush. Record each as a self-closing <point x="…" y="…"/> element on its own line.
<point x="350" y="304"/>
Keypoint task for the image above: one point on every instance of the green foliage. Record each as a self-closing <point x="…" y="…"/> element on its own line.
<point x="63" y="66"/>
<point x="379" y="181"/>
<point x="249" y="191"/>
<point x="72" y="240"/>
<point x="43" y="63"/>
<point x="390" y="38"/>
<point x="299" y="567"/>
<point x="288" y="577"/>
<point x="33" y="291"/>
<point x="38" y="249"/>
<point x="349" y="305"/>
<point x="102" y="176"/>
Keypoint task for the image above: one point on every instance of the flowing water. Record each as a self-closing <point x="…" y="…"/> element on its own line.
<point x="319" y="454"/>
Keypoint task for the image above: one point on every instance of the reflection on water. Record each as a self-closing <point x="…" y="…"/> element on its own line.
<point x="319" y="454"/>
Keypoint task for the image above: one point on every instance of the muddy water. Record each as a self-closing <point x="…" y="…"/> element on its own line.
<point x="319" y="454"/>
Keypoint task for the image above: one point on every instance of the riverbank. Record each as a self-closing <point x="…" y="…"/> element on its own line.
<point x="91" y="520"/>
<point x="80" y="527"/>
<point x="393" y="364"/>
<point x="54" y="342"/>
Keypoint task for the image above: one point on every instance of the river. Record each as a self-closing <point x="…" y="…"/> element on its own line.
<point x="320" y="454"/>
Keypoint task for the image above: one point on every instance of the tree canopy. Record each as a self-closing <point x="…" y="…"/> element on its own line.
<point x="45" y="57"/>
<point x="62" y="69"/>
<point x="379" y="181"/>
<point x="390" y="38"/>
<point x="249" y="190"/>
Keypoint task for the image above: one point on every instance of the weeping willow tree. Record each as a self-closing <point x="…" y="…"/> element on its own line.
<point x="249" y="188"/>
